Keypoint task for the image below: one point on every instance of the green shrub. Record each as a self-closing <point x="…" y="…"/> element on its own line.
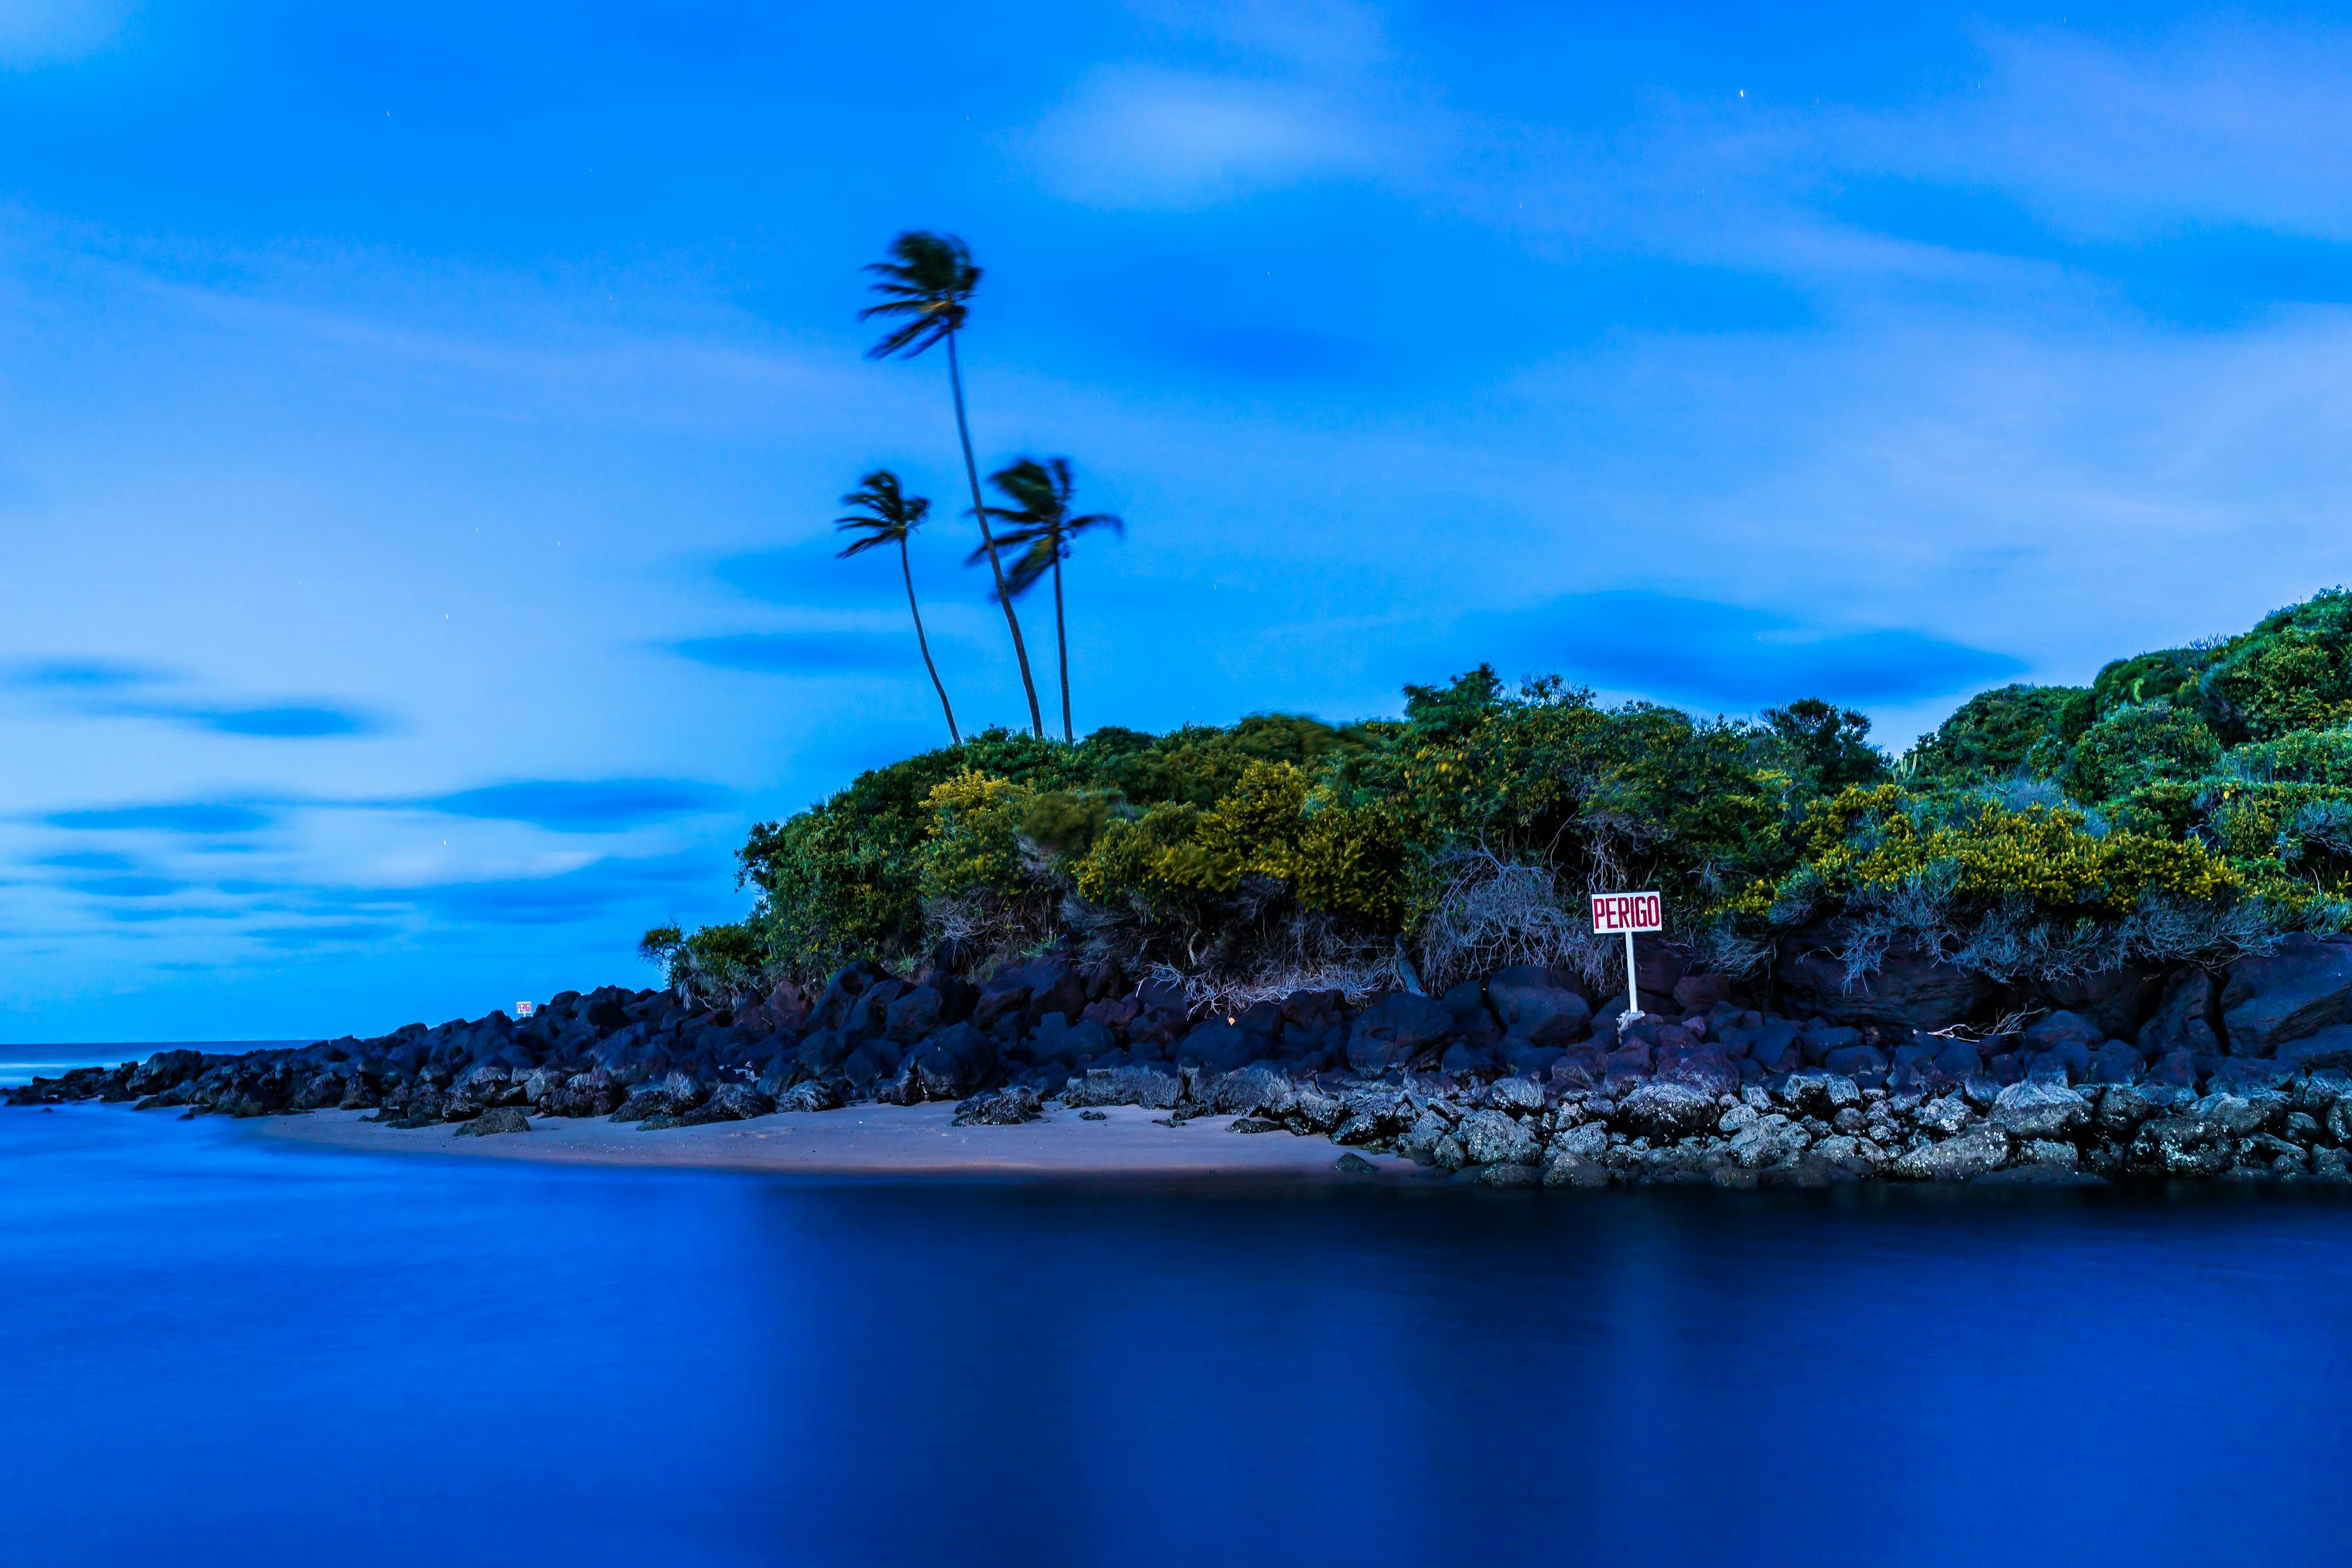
<point x="2153" y="743"/>
<point x="1285" y="840"/>
<point x="2015" y="732"/>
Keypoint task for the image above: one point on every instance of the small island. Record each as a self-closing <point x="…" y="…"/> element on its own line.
<point x="2074" y="935"/>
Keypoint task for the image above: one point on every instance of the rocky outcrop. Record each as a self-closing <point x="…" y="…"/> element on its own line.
<point x="1502" y="1081"/>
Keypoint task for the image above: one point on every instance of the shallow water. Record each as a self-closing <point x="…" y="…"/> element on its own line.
<point x="222" y="1351"/>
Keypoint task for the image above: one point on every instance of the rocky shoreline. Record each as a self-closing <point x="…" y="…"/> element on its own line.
<point x="2244" y="1073"/>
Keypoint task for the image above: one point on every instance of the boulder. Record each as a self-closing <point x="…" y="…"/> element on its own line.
<point x="1907" y="989"/>
<point x="1766" y="1141"/>
<point x="1058" y="1042"/>
<point x="2189" y="1145"/>
<point x="1851" y="1060"/>
<point x="1219" y="1045"/>
<point x="1664" y="1109"/>
<point x="1981" y="1148"/>
<point x="2060" y="1029"/>
<point x="814" y="1095"/>
<point x="1244" y="1092"/>
<point x="1698" y="992"/>
<point x="913" y="1015"/>
<point x="1394" y="1030"/>
<point x="1569" y="1171"/>
<point x="1374" y="1116"/>
<point x="731" y="1101"/>
<point x="2186" y="1006"/>
<point x="498" y="1118"/>
<point x="1539" y="1004"/>
<point x="1491" y="1138"/>
<point x="1141" y="1083"/>
<point x="872" y="1062"/>
<point x="2039" y="1111"/>
<point x="1008" y="1106"/>
<point x="952" y="1063"/>
<point x="2115" y="1001"/>
<point x="1819" y="1092"/>
<point x="2330" y="1047"/>
<point x="2114" y="1062"/>
<point x="1515" y="1096"/>
<point x="1776" y="1048"/>
<point x="2290" y="994"/>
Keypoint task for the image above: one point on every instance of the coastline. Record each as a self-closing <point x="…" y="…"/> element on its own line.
<point x="864" y="1141"/>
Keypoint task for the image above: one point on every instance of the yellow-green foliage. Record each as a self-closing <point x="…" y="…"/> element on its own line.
<point x="975" y="842"/>
<point x="1882" y="839"/>
<point x="2212" y="775"/>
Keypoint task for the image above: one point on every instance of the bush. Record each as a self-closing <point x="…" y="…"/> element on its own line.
<point x="1237" y="856"/>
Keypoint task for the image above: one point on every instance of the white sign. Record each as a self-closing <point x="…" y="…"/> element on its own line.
<point x="1613" y="913"/>
<point x="525" y="1009"/>
<point x="1628" y="912"/>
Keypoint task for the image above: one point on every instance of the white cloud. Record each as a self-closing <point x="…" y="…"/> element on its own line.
<point x="2237" y="125"/>
<point x="1162" y="139"/>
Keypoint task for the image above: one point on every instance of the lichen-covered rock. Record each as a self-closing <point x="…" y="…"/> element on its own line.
<point x="1515" y="1096"/>
<point x="1491" y="1138"/>
<point x="2032" y="1110"/>
<point x="1008" y="1106"/>
<point x="731" y="1101"/>
<point x="1945" y="1117"/>
<point x="496" y="1120"/>
<point x="1820" y="1093"/>
<point x="1666" y="1108"/>
<point x="1981" y="1148"/>
<point x="1139" y="1083"/>
<point x="815" y="1095"/>
<point x="1771" y="1140"/>
<point x="1564" y="1170"/>
<point x="2187" y="1145"/>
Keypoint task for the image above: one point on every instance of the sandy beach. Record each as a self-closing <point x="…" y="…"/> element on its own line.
<point x="866" y="1139"/>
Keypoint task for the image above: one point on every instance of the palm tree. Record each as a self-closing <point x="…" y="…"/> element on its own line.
<point x="929" y="281"/>
<point x="885" y="514"/>
<point x="1040" y="526"/>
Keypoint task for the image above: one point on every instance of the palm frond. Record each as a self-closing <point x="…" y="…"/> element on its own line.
<point x="930" y="277"/>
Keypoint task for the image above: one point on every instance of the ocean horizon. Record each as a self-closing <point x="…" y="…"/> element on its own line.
<point x="23" y="1063"/>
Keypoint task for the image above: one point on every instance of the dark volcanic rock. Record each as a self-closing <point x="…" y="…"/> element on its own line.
<point x="1142" y="1083"/>
<point x="498" y="1118"/>
<point x="2290" y="994"/>
<point x="952" y="1064"/>
<point x="1008" y="1106"/>
<point x="1540" y="1006"/>
<point x="1666" y="1110"/>
<point x="1907" y="989"/>
<point x="731" y="1101"/>
<point x="1394" y="1030"/>
<point x="1219" y="1045"/>
<point x="816" y="1094"/>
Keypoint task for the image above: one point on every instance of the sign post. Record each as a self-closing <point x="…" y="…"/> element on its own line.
<point x="1628" y="912"/>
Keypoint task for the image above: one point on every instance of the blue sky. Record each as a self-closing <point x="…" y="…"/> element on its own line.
<point x="420" y="427"/>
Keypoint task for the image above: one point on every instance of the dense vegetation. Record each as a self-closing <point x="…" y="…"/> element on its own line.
<point x="2192" y="803"/>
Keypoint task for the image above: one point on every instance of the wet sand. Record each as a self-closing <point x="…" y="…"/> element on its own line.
<point x="865" y="1140"/>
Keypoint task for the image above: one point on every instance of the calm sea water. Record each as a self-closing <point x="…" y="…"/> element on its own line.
<point x="22" y="1064"/>
<point x="219" y="1350"/>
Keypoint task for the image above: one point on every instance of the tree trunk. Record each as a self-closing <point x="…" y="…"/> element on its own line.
<point x="1061" y="642"/>
<point x="925" y="643"/>
<point x="979" y="515"/>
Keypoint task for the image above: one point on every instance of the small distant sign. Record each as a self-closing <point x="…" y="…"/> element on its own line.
<point x="1628" y="912"/>
<point x="525" y="1009"/>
